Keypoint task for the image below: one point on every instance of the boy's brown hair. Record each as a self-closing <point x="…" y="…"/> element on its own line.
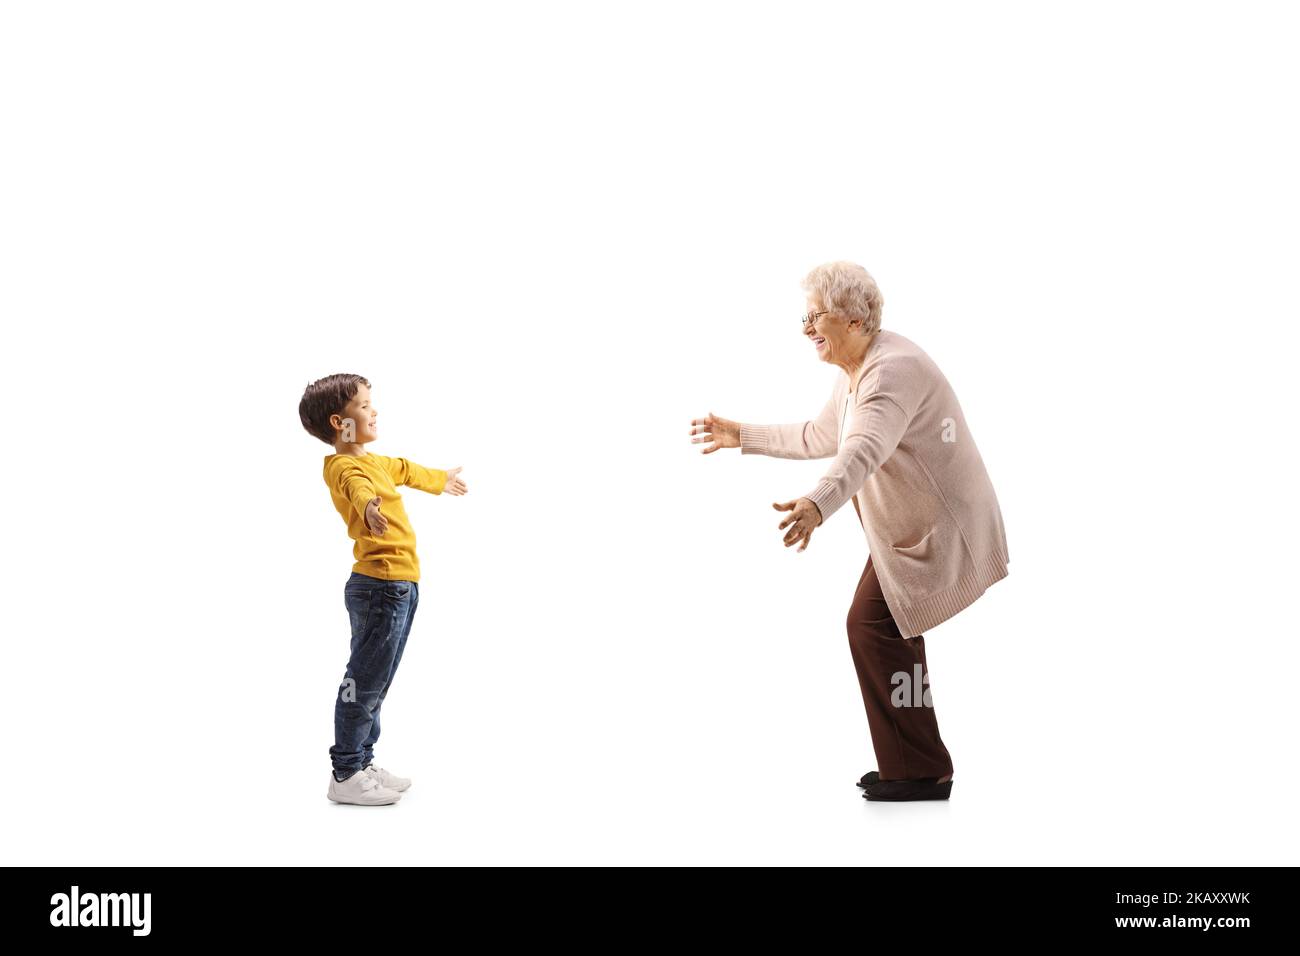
<point x="325" y="397"/>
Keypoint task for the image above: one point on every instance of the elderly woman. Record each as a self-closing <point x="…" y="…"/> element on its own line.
<point x="905" y="458"/>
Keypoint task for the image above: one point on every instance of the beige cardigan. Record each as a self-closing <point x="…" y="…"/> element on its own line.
<point x="911" y="468"/>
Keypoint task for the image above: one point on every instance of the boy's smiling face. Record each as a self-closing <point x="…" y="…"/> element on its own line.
<point x="364" y="418"/>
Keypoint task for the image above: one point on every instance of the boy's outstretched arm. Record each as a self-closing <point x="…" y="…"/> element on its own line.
<point x="406" y="472"/>
<point x="355" y="485"/>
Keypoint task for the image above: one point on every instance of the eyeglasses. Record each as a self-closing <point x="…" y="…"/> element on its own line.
<point x="811" y="317"/>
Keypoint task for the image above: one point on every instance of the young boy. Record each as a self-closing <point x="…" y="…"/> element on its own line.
<point x="383" y="591"/>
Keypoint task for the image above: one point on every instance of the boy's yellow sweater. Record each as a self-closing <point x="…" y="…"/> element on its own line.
<point x="355" y="480"/>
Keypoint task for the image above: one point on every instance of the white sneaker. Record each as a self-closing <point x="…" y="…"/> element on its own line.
<point x="362" y="789"/>
<point x="390" y="780"/>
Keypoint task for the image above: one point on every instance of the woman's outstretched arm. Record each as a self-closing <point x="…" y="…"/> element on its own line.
<point x="878" y="426"/>
<point x="811" y="439"/>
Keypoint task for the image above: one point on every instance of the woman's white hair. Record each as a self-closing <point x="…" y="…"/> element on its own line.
<point x="847" y="287"/>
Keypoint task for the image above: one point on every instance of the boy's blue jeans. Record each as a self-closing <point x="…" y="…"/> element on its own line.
<point x="381" y="612"/>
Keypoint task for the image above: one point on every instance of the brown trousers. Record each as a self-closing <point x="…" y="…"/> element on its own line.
<point x="906" y="738"/>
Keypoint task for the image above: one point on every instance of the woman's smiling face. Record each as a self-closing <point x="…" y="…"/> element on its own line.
<point x="829" y="332"/>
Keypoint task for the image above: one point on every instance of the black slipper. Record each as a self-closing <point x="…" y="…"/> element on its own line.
<point x="869" y="778"/>
<point x="925" y="788"/>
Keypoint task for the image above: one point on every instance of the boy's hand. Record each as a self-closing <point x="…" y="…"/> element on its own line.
<point x="454" y="485"/>
<point x="375" y="521"/>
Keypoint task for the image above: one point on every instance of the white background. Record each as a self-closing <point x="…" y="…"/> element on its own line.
<point x="550" y="235"/>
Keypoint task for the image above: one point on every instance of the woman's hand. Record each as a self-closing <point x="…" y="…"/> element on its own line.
<point x="720" y="431"/>
<point x="804" y="517"/>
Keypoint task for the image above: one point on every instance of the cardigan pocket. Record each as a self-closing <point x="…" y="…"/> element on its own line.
<point x="913" y="567"/>
<point x="918" y="550"/>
